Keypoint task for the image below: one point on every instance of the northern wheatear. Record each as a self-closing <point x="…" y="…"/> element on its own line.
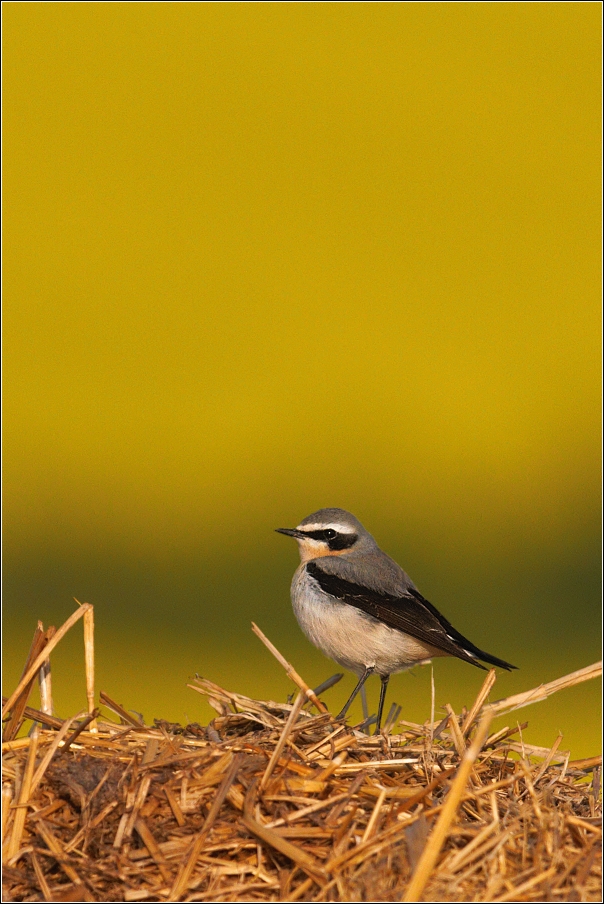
<point x="361" y="609"/>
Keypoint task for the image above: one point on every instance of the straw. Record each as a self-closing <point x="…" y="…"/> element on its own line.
<point x="41" y="657"/>
<point x="272" y="803"/>
<point x="89" y="661"/>
<point x="289" y="669"/>
<point x="543" y="691"/>
<point x="437" y="838"/>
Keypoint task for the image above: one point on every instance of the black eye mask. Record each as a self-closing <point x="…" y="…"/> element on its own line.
<point x="335" y="541"/>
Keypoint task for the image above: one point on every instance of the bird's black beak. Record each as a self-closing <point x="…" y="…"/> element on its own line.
<point x="290" y="532"/>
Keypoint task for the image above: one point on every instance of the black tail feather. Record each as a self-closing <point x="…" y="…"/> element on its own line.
<point x="486" y="657"/>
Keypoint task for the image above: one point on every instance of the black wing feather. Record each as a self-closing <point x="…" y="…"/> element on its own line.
<point x="409" y="613"/>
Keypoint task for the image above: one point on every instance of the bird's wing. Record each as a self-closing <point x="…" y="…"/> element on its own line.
<point x="408" y="612"/>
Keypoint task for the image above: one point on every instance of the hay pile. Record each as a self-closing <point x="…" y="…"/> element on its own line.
<point x="273" y="802"/>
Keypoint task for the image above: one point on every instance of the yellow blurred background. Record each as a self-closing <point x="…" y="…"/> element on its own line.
<point x="265" y="258"/>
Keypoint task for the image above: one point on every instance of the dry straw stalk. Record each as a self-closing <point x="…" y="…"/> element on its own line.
<point x="271" y="802"/>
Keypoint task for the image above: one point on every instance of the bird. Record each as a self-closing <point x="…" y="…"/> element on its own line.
<point x="361" y="609"/>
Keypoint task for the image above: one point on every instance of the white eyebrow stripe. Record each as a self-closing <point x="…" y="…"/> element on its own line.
<point x="339" y="528"/>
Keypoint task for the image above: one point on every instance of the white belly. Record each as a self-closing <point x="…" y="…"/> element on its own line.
<point x="353" y="639"/>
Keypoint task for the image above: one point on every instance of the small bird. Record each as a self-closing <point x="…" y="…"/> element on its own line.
<point x="360" y="608"/>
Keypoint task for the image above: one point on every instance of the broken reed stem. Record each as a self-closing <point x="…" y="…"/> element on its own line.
<point x="289" y="669"/>
<point x="543" y="691"/>
<point x="548" y="758"/>
<point x="14" y="844"/>
<point x="458" y="739"/>
<point x="119" y="710"/>
<point x="14" y="723"/>
<point x="7" y="799"/>
<point x="36" y="715"/>
<point x="45" y="680"/>
<point x="374" y="816"/>
<point x="86" y="721"/>
<point x="483" y="693"/>
<point x="44" y="654"/>
<point x="184" y="874"/>
<point x="89" y="662"/>
<point x="283" y="738"/>
<point x="436" y="840"/>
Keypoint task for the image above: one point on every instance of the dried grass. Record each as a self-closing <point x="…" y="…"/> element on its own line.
<point x="273" y="803"/>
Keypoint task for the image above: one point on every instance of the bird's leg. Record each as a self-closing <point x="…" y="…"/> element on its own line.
<point x="385" y="679"/>
<point x="364" y="702"/>
<point x="368" y="671"/>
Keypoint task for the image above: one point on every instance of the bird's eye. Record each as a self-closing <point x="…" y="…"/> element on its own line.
<point x="330" y="534"/>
